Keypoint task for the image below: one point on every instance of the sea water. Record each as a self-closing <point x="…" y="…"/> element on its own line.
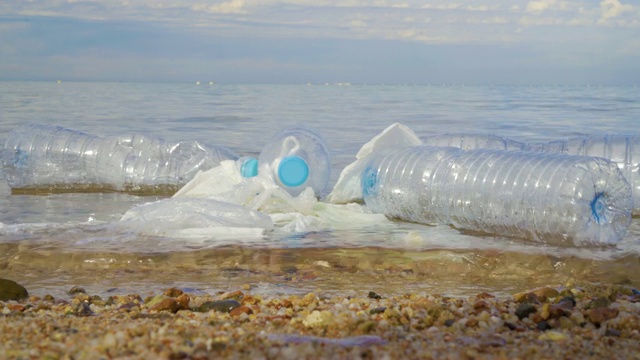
<point x="51" y="242"/>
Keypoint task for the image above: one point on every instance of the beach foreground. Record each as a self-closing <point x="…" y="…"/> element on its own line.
<point x="574" y="321"/>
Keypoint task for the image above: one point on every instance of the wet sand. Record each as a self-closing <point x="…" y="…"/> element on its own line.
<point x="573" y="321"/>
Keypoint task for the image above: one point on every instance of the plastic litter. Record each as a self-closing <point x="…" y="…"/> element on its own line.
<point x="51" y="158"/>
<point x="549" y="198"/>
<point x="295" y="158"/>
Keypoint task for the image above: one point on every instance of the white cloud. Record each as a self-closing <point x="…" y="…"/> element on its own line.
<point x="613" y="8"/>
<point x="450" y="6"/>
<point x="478" y="8"/>
<point x="229" y="7"/>
<point x="539" y="6"/>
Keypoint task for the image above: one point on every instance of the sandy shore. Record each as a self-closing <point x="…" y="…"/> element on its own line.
<point x="583" y="321"/>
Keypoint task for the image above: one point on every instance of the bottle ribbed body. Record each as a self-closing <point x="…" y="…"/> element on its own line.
<point x="472" y="141"/>
<point x="51" y="157"/>
<point x="549" y="198"/>
<point x="297" y="158"/>
<point x="624" y="150"/>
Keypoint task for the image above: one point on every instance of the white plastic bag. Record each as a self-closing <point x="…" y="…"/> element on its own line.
<point x="186" y="218"/>
<point x="349" y="187"/>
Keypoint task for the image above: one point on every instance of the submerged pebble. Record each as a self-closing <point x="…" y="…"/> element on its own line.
<point x="219" y="305"/>
<point x="11" y="290"/>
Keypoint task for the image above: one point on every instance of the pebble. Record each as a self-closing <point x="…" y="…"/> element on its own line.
<point x="318" y="319"/>
<point x="77" y="290"/>
<point x="241" y="310"/>
<point x="600" y="315"/>
<point x="335" y="326"/>
<point x="173" y="292"/>
<point x="224" y="306"/>
<point x="552" y="336"/>
<point x="11" y="290"/>
<point x="524" y="310"/>
<point x="168" y="304"/>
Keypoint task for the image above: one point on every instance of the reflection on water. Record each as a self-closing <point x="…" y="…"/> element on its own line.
<point x="50" y="242"/>
<point x="301" y="270"/>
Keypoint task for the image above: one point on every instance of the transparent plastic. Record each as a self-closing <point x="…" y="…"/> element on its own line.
<point x="42" y="158"/>
<point x="624" y="150"/>
<point x="297" y="158"/>
<point x="549" y="198"/>
<point x="473" y="141"/>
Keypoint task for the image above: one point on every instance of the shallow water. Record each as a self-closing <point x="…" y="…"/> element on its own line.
<point x="51" y="242"/>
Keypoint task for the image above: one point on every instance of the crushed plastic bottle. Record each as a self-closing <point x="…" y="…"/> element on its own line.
<point x="43" y="158"/>
<point x="550" y="198"/>
<point x="296" y="158"/>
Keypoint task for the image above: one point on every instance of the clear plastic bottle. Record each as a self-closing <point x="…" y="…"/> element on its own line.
<point x="296" y="158"/>
<point x="47" y="158"/>
<point x="550" y="198"/>
<point x="472" y="141"/>
<point x="624" y="150"/>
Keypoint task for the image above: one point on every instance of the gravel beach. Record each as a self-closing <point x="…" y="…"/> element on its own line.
<point x="574" y="321"/>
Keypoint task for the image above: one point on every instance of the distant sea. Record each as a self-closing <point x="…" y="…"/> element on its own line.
<point x="39" y="232"/>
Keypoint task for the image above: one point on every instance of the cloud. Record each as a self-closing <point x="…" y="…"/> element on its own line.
<point x="229" y="7"/>
<point x="539" y="6"/>
<point x="613" y="8"/>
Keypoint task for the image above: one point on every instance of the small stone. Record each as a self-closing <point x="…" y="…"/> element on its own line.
<point x="235" y="295"/>
<point x="565" y="323"/>
<point x="155" y="300"/>
<point x="599" y="302"/>
<point x="543" y="326"/>
<point x="526" y="298"/>
<point x="83" y="309"/>
<point x="246" y="287"/>
<point x="635" y="291"/>
<point x="600" y="315"/>
<point x="555" y="311"/>
<point x="308" y="299"/>
<point x="252" y="300"/>
<point x="183" y="302"/>
<point x="241" y="310"/>
<point x="524" y="310"/>
<point x="514" y="327"/>
<point x="11" y="290"/>
<point x="481" y="305"/>
<point x="16" y="307"/>
<point x="219" y="305"/>
<point x="566" y="301"/>
<point x="449" y="322"/>
<point x="373" y="295"/>
<point x="168" y="304"/>
<point x="318" y="319"/>
<point x="173" y="292"/>
<point x="552" y="336"/>
<point x="613" y="332"/>
<point x="471" y="322"/>
<point x="484" y="295"/>
<point x="546" y="292"/>
<point x="76" y="290"/>
<point x="377" y="310"/>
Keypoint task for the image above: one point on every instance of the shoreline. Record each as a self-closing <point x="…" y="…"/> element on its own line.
<point x="574" y="321"/>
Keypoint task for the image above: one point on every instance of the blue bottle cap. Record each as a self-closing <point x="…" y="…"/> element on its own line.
<point x="293" y="171"/>
<point x="249" y="168"/>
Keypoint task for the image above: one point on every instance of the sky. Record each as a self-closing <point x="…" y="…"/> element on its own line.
<point x="320" y="41"/>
